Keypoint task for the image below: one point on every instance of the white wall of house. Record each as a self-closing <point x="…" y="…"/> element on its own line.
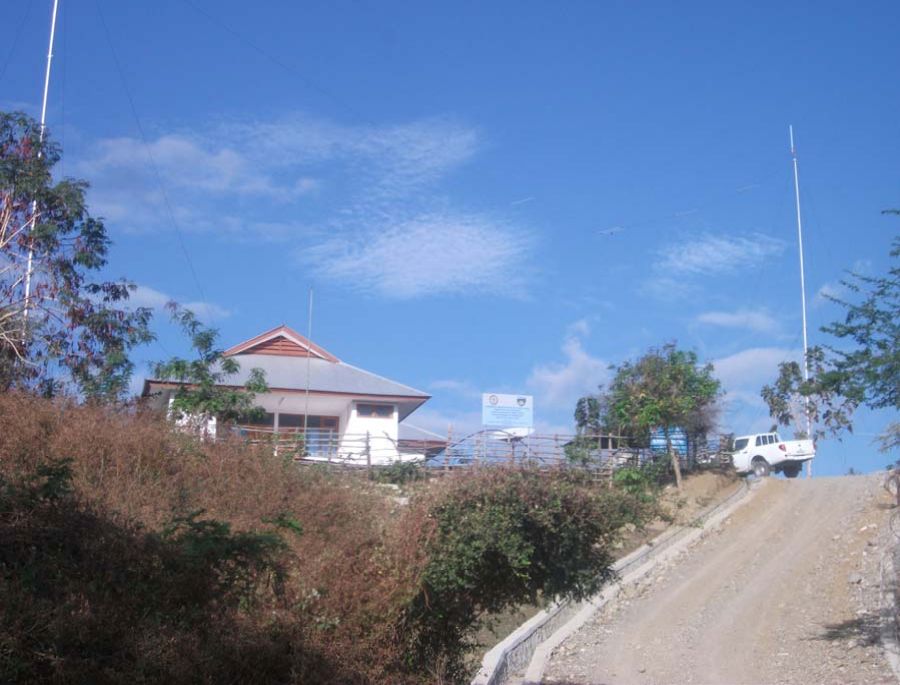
<point x="377" y="434"/>
<point x="357" y="432"/>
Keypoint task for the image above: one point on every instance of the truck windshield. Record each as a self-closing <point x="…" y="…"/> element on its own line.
<point x="740" y="444"/>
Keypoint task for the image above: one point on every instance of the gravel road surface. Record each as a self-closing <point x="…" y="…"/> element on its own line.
<point x="784" y="592"/>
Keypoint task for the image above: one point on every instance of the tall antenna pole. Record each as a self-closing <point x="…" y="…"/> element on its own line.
<point x="802" y="291"/>
<point x="308" y="358"/>
<point x="40" y="139"/>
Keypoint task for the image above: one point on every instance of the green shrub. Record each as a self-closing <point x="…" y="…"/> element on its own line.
<point x="400" y="473"/>
<point x="503" y="537"/>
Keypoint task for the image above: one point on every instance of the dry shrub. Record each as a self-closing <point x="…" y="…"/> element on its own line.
<point x="133" y="475"/>
<point x="177" y="560"/>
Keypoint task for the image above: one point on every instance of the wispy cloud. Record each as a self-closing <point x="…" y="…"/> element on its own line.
<point x="757" y="320"/>
<point x="427" y="255"/>
<point x="198" y="164"/>
<point x="462" y="388"/>
<point x="836" y="290"/>
<point x="558" y="385"/>
<point x="715" y="254"/>
<point x="454" y="424"/>
<point x="374" y="190"/>
<point x="680" y="265"/>
<point x="743" y="374"/>
<point x="144" y="296"/>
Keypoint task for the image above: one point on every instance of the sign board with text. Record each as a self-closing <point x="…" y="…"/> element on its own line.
<point x="507" y="411"/>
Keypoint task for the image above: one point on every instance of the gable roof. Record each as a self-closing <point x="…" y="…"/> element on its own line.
<point x="290" y="373"/>
<point x="281" y="341"/>
<point x="292" y="363"/>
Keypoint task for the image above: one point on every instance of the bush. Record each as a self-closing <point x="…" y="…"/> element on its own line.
<point x="131" y="553"/>
<point x="401" y="473"/>
<point x="86" y="598"/>
<point x="503" y="537"/>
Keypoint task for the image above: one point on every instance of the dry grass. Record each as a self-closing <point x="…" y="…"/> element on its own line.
<point x="176" y="560"/>
<point x="342" y="590"/>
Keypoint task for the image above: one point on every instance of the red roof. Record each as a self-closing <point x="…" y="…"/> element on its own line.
<point x="281" y="341"/>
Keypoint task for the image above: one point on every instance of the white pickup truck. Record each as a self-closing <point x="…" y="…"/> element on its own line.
<point x="766" y="452"/>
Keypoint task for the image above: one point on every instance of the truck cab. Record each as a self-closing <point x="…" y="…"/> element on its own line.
<point x="765" y="453"/>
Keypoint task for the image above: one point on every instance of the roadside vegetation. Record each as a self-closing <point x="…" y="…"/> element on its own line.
<point x="860" y="366"/>
<point x="131" y="552"/>
<point x="665" y="389"/>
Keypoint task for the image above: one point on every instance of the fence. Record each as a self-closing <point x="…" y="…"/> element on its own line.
<point x="328" y="446"/>
<point x="601" y="454"/>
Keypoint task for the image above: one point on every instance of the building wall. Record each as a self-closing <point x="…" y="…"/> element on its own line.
<point x="382" y="436"/>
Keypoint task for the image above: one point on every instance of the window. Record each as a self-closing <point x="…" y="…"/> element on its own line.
<point x="379" y="411"/>
<point x="759" y="440"/>
<point x="740" y="444"/>
<point x="293" y="422"/>
<point x="261" y="420"/>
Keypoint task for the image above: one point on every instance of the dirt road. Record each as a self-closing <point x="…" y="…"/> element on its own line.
<point x="784" y="592"/>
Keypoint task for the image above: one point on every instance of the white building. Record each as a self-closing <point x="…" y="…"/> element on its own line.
<point x="320" y="407"/>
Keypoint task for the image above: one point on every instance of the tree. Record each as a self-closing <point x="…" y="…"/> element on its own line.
<point x="862" y="368"/>
<point x="55" y="321"/>
<point x="665" y="388"/>
<point x="587" y="415"/>
<point x="203" y="389"/>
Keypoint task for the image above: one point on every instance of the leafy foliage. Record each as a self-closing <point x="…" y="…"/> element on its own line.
<point x="69" y="325"/>
<point x="401" y="473"/>
<point x="587" y="415"/>
<point x="203" y="382"/>
<point x="861" y="369"/>
<point x="667" y="387"/>
<point x="506" y="536"/>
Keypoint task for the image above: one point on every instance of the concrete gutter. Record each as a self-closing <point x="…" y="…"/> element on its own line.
<point x="889" y="643"/>
<point x="528" y="648"/>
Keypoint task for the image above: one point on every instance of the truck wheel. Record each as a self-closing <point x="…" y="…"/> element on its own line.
<point x="760" y="467"/>
<point x="792" y="471"/>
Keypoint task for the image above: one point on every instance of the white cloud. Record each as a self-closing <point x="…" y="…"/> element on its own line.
<point x="393" y="158"/>
<point x="837" y="290"/>
<point x="715" y="254"/>
<point x="455" y="424"/>
<point x="192" y="163"/>
<point x="752" y="367"/>
<point x="758" y="320"/>
<point x="144" y="296"/>
<point x="427" y="255"/>
<point x="743" y="375"/>
<point x="828" y="291"/>
<point x="373" y="189"/>
<point x="558" y="385"/>
<point x="463" y="388"/>
<point x="680" y="265"/>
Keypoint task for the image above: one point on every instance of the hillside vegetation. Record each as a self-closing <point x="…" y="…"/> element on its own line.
<point x="132" y="553"/>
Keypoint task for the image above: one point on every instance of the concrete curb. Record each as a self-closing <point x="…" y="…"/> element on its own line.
<point x="528" y="648"/>
<point x="888" y="635"/>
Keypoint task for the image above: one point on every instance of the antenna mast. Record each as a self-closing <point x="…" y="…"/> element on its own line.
<point x="309" y="323"/>
<point x="802" y="291"/>
<point x="40" y="139"/>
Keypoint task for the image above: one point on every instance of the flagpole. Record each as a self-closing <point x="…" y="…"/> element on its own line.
<point x="802" y="293"/>
<point x="41" y="140"/>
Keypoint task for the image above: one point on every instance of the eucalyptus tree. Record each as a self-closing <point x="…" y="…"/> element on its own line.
<point x="59" y="322"/>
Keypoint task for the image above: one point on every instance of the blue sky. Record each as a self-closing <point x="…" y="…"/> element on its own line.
<point x="504" y="196"/>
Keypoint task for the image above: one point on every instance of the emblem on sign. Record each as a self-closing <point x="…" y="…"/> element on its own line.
<point x="521" y="401"/>
<point x="493" y="399"/>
